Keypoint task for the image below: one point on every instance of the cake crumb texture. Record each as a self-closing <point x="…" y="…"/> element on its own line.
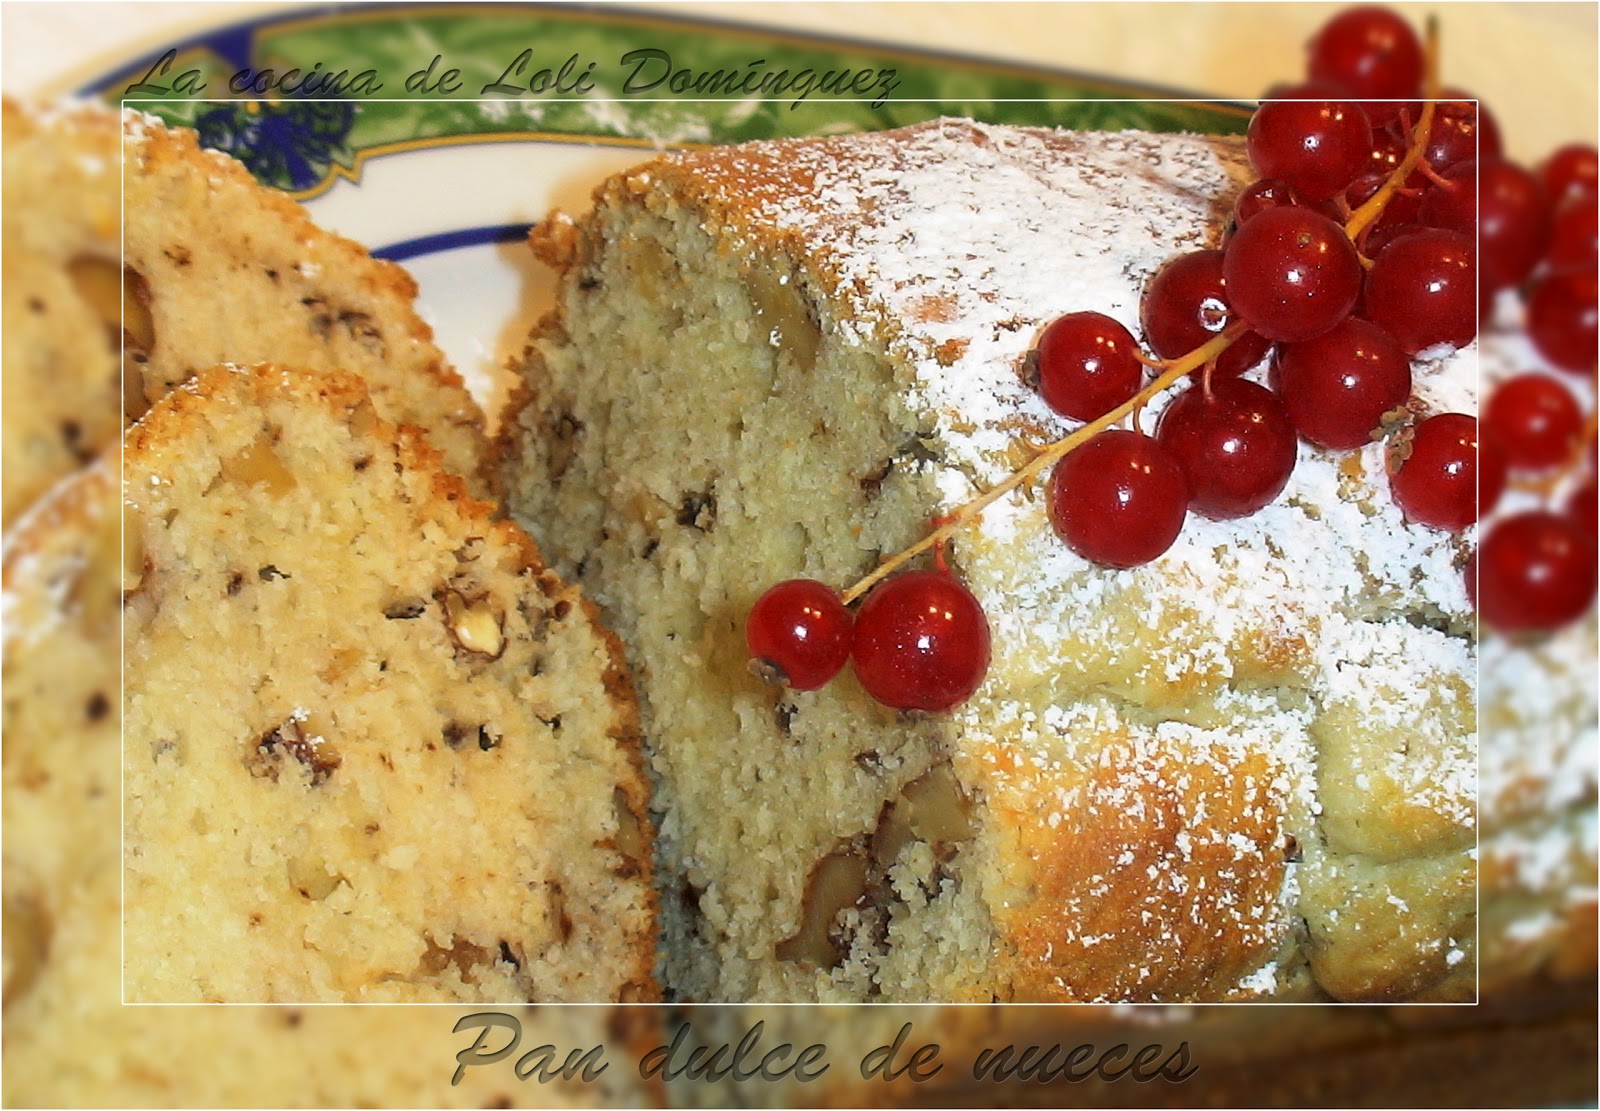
<point x="374" y="751"/>
<point x="58" y="349"/>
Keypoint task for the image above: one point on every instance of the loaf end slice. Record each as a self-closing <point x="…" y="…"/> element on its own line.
<point x="62" y="899"/>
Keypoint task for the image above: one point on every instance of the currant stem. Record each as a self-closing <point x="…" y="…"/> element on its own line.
<point x="1170" y="373"/>
<point x="1369" y="212"/>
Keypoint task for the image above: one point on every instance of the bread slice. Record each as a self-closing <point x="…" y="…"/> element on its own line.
<point x="230" y="271"/>
<point x="218" y="269"/>
<point x="62" y="879"/>
<point x="374" y="751"/>
<point x="1245" y="770"/>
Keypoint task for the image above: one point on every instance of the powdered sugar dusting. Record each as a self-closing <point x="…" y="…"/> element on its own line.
<point x="1540" y="757"/>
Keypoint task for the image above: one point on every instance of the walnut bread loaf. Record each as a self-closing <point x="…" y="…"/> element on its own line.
<point x="374" y="750"/>
<point x="217" y="269"/>
<point x="1245" y="770"/>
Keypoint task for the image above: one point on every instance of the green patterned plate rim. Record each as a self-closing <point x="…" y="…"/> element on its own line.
<point x="305" y="97"/>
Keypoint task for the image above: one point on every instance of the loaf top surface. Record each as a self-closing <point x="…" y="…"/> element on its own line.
<point x="954" y="243"/>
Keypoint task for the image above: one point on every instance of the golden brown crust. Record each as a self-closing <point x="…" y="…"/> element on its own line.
<point x="54" y="525"/>
<point x="1153" y="875"/>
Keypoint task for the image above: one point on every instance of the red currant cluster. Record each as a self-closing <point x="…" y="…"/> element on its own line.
<point x="920" y="642"/>
<point x="1535" y="569"/>
<point x="1352" y="254"/>
<point x="1383" y="220"/>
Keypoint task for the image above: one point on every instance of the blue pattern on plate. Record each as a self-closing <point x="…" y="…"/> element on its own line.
<point x="286" y="144"/>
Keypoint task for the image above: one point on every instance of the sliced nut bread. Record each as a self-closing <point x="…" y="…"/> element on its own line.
<point x="373" y="750"/>
<point x="62" y="899"/>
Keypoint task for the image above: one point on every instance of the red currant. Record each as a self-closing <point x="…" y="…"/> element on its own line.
<point x="1376" y="239"/>
<point x="1186" y="304"/>
<point x="1262" y="194"/>
<point x="1422" y="290"/>
<point x="1372" y="53"/>
<point x="1533" y="572"/>
<point x="1570" y="172"/>
<point x="1437" y="484"/>
<point x="1338" y="386"/>
<point x="1402" y="206"/>
<point x="1513" y="222"/>
<point x="1291" y="273"/>
<point x="1087" y="365"/>
<point x="1318" y="147"/>
<point x="1389" y="147"/>
<point x="922" y="642"/>
<point x="1504" y="204"/>
<point x="1454" y="204"/>
<point x="1235" y="444"/>
<point x="1461" y="130"/>
<point x="1535" y="420"/>
<point x="798" y="633"/>
<point x="1573" y="238"/>
<point x="1119" y="499"/>
<point x="1561" y="319"/>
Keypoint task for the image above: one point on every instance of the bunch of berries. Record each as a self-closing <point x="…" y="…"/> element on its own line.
<point x="1383" y="221"/>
